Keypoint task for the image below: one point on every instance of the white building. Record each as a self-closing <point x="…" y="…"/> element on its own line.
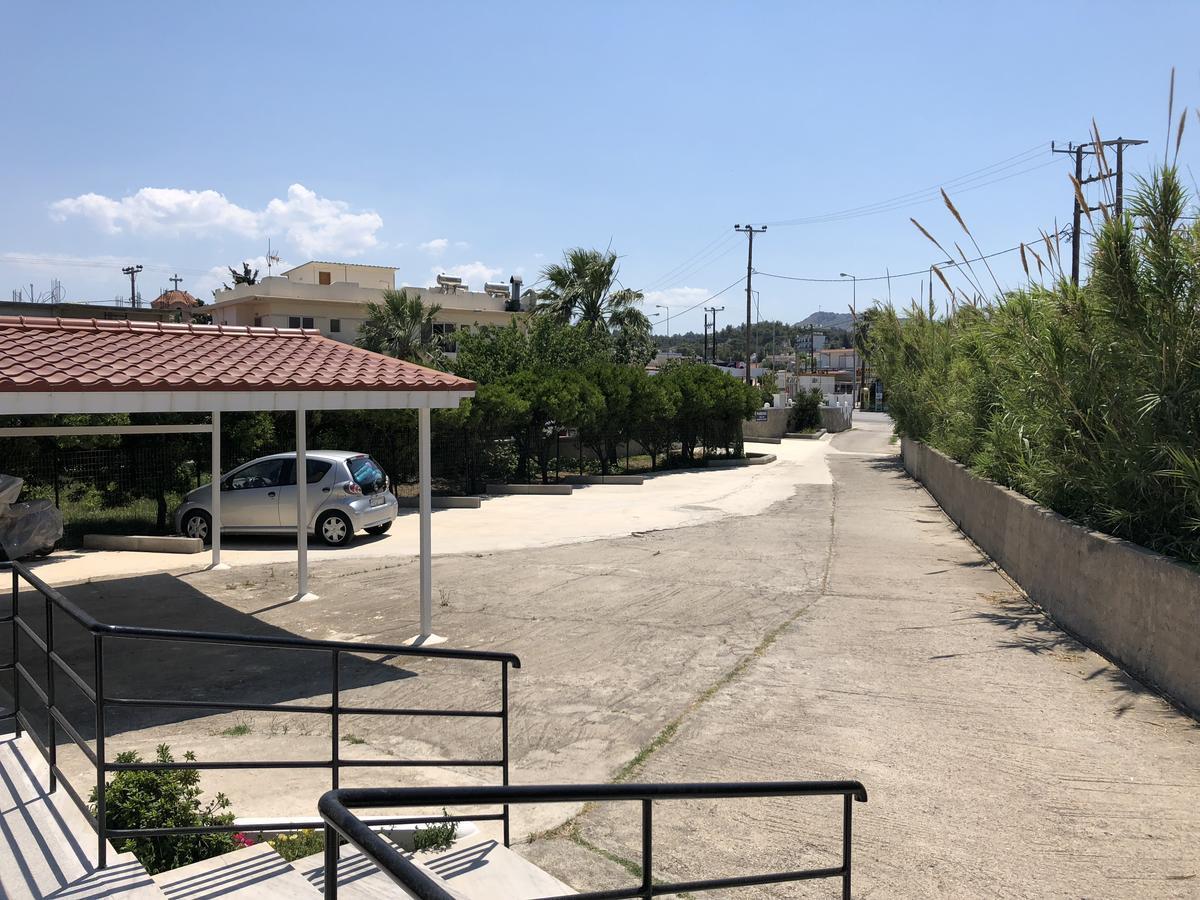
<point x="332" y="298"/>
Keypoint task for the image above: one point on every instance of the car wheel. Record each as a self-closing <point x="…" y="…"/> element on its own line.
<point x="335" y="529"/>
<point x="379" y="529"/>
<point x="198" y="524"/>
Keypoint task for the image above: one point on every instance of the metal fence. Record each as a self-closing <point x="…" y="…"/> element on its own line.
<point x="133" y="484"/>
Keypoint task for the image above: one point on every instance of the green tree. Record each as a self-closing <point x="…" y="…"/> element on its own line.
<point x="402" y="326"/>
<point x="584" y="290"/>
<point x="653" y="403"/>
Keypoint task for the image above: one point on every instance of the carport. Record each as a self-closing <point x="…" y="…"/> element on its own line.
<point x="89" y="366"/>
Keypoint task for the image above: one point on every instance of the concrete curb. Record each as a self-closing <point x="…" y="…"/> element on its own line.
<point x="529" y="489"/>
<point x="146" y="543"/>
<point x="442" y="502"/>
<point x="803" y="436"/>
<point x="1137" y="607"/>
<point x="762" y="440"/>
<point x="604" y="479"/>
<point x="760" y="459"/>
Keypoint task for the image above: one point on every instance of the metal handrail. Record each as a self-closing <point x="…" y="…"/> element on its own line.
<point x="58" y="723"/>
<point x="336" y="809"/>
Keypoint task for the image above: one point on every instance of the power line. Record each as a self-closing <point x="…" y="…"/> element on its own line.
<point x="1018" y="159"/>
<point x="892" y="205"/>
<point x="741" y="278"/>
<point x="708" y="254"/>
<point x="921" y="271"/>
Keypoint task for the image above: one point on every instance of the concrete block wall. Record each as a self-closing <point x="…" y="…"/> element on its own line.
<point x="836" y="418"/>
<point x="775" y="425"/>
<point x="1137" y="607"/>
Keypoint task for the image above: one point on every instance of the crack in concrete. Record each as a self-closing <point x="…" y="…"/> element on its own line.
<point x="571" y="828"/>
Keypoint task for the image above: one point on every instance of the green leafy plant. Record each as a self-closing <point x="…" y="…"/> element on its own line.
<point x="805" y="413"/>
<point x="1086" y="399"/>
<point x="299" y="844"/>
<point x="165" y="799"/>
<point x="438" y="836"/>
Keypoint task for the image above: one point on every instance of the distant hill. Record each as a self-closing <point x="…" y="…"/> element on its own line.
<point x="842" y="321"/>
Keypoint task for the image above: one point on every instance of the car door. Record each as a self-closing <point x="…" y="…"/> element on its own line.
<point x="250" y="495"/>
<point x="320" y="481"/>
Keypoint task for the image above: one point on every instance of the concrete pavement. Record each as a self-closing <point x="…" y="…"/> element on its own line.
<point x="844" y="629"/>
<point x="673" y="499"/>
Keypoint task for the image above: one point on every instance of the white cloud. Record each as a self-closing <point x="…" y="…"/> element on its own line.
<point x="473" y="273"/>
<point x="312" y="224"/>
<point x="676" y="297"/>
<point x="436" y="247"/>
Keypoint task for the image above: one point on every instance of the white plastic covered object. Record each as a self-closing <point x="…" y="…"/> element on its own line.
<point x="10" y="489"/>
<point x="28" y="528"/>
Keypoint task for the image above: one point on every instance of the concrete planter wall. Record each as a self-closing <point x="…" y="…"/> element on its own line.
<point x="1139" y="608"/>
<point x="836" y="418"/>
<point x="774" y="427"/>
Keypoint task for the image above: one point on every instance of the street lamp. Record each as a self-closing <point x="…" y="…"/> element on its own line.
<point x="668" y="309"/>
<point x="853" y="334"/>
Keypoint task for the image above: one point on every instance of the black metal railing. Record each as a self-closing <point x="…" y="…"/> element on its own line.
<point x="337" y="810"/>
<point x="54" y="606"/>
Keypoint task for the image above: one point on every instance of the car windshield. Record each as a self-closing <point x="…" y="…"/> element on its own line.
<point x="367" y="474"/>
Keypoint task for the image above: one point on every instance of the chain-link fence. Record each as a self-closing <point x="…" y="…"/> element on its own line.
<point x="132" y="489"/>
<point x="133" y="484"/>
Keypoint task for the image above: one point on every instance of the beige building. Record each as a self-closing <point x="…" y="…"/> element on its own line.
<point x="333" y="298"/>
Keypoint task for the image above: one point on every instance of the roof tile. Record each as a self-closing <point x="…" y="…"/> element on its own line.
<point x="98" y="355"/>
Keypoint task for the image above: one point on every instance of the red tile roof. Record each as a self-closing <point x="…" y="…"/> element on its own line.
<point x="96" y="355"/>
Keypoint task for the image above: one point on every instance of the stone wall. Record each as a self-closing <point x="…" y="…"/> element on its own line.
<point x="1137" y="607"/>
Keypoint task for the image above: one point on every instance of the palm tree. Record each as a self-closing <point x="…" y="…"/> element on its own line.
<point x="580" y="289"/>
<point x="402" y="326"/>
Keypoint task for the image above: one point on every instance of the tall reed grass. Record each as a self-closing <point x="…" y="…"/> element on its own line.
<point x="1086" y="399"/>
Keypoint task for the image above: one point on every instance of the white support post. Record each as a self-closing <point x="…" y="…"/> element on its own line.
<point x="425" y="478"/>
<point x="215" y="501"/>
<point x="302" y="502"/>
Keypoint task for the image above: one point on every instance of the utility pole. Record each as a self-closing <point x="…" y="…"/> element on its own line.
<point x="704" y="354"/>
<point x="749" y="231"/>
<point x="853" y="332"/>
<point x="714" y="310"/>
<point x="175" y="279"/>
<point x="668" y="309"/>
<point x="132" y="272"/>
<point x="1094" y="148"/>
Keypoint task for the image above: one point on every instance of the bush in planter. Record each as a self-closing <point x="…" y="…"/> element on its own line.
<point x="165" y="799"/>
<point x="805" y="414"/>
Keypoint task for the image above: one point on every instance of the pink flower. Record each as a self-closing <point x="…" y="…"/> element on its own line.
<point x="243" y="840"/>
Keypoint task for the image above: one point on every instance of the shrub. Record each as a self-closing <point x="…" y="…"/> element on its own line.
<point x="1086" y="399"/>
<point x="805" y="415"/>
<point x="435" y="837"/>
<point x="299" y="844"/>
<point x="165" y="799"/>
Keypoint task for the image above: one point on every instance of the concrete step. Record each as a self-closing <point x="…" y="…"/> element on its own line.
<point x="475" y="867"/>
<point x="252" y="872"/>
<point x="481" y="868"/>
<point x="47" y="846"/>
<point x="358" y="877"/>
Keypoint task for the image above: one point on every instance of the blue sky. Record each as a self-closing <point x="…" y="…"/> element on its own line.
<point x="484" y="138"/>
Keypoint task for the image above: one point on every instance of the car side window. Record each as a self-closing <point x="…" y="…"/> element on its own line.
<point x="260" y="475"/>
<point x="317" y="469"/>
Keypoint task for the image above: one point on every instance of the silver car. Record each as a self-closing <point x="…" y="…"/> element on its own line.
<point x="347" y="492"/>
